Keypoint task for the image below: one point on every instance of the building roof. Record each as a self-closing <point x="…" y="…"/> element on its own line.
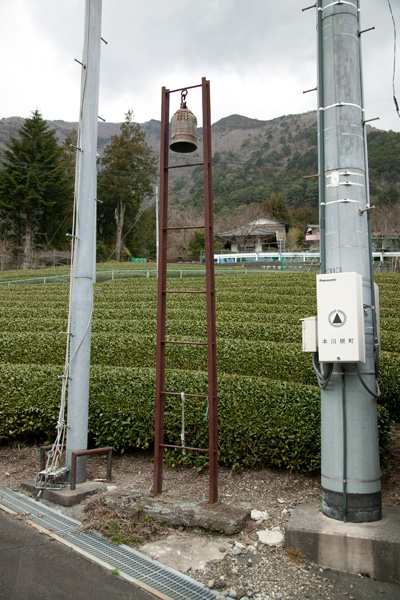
<point x="257" y="228"/>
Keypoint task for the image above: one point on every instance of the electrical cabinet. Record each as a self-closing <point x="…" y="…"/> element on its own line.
<point x="309" y="334"/>
<point x="340" y="320"/>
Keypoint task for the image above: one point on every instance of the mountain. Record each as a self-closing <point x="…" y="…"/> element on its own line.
<point x="253" y="160"/>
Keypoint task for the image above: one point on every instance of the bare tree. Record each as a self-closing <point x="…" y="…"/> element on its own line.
<point x="178" y="241"/>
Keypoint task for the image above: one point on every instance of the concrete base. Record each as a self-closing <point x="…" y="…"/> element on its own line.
<point x="66" y="497"/>
<point x="368" y="548"/>
<point x="187" y="552"/>
<point x="222" y="518"/>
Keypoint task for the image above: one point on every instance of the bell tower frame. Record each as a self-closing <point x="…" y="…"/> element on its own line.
<point x="209" y="293"/>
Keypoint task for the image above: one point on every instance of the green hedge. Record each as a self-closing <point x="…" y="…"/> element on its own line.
<point x="268" y="394"/>
<point x="280" y="361"/>
<point x="389" y="383"/>
<point x="261" y="422"/>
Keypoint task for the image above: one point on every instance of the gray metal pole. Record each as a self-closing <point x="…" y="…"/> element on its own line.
<point x="350" y="477"/>
<point x="83" y="268"/>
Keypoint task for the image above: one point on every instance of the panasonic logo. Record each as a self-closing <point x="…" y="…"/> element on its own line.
<point x="325" y="280"/>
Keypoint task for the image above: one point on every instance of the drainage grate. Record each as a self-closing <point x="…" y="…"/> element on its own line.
<point x="37" y="512"/>
<point x="152" y="573"/>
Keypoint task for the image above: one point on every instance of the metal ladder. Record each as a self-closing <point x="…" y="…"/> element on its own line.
<point x="163" y="293"/>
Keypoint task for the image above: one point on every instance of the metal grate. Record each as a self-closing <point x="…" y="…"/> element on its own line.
<point x="38" y="513"/>
<point x="152" y="573"/>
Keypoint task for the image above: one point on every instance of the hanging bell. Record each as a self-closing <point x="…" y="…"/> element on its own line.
<point x="183" y="129"/>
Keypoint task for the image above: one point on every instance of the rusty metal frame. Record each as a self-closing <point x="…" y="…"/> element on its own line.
<point x="77" y="453"/>
<point x="210" y="296"/>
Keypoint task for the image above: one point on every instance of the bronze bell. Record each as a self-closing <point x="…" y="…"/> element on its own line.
<point x="183" y="128"/>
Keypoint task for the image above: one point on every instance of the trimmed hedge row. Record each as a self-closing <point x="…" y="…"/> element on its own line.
<point x="276" y="360"/>
<point x="280" y="361"/>
<point x="281" y="328"/>
<point x="269" y="400"/>
<point x="389" y="383"/>
<point x="253" y="431"/>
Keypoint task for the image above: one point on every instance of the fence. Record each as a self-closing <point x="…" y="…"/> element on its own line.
<point x="255" y="263"/>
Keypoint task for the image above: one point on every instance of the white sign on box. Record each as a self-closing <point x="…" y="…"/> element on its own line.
<point x="341" y="336"/>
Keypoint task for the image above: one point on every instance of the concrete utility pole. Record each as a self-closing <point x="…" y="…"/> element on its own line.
<point x="85" y="240"/>
<point x="351" y="489"/>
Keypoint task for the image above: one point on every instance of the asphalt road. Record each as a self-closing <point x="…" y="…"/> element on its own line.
<point x="35" y="567"/>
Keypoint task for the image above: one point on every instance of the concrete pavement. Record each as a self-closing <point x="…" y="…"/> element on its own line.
<point x="35" y="567"/>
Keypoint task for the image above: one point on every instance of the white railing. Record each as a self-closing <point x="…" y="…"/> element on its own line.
<point x="306" y="257"/>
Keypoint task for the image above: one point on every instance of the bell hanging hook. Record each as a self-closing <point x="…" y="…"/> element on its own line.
<point x="183" y="98"/>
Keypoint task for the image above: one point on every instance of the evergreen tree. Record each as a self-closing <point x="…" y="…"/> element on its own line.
<point x="68" y="158"/>
<point x="126" y="179"/>
<point x="305" y="215"/>
<point x="197" y="243"/>
<point x="275" y="207"/>
<point x="33" y="186"/>
<point x="142" y="240"/>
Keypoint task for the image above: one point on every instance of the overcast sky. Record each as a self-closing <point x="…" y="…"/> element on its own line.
<point x="259" y="56"/>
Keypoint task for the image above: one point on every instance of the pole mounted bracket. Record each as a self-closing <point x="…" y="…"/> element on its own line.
<point x="369" y="120"/>
<point x="362" y="211"/>
<point x="80" y="63"/>
<point x="341" y="201"/>
<point x="365" y="30"/>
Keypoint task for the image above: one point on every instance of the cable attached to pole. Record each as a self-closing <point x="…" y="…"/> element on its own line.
<point x="323" y="375"/>
<point x="53" y="463"/>
<point x="375" y="394"/>
<point x="344" y="418"/>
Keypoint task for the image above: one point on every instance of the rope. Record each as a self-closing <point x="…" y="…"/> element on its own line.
<point x="54" y="455"/>
<point x="206" y="413"/>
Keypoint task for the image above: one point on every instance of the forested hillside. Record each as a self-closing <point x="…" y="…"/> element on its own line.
<point x="270" y="165"/>
<point x="254" y="159"/>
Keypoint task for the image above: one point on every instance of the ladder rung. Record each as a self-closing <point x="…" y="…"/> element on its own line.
<point x="186" y="395"/>
<point x="184" y="292"/>
<point x="184" y="448"/>
<point x="188" y="165"/>
<point x="184" y="227"/>
<point x="184" y="343"/>
<point x="188" y="87"/>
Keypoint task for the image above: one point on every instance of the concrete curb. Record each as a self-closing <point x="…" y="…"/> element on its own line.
<point x="371" y="549"/>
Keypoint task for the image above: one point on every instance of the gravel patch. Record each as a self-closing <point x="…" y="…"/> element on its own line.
<point x="250" y="567"/>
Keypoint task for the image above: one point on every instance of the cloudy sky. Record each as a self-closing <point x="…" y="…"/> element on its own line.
<point x="259" y="56"/>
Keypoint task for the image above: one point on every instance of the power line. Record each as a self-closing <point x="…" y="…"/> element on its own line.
<point x="394" y="60"/>
<point x="140" y="213"/>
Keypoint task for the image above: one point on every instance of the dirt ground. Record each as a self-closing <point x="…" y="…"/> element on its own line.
<point x="249" y="569"/>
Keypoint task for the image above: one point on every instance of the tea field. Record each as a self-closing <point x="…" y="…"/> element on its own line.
<point x="268" y="395"/>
